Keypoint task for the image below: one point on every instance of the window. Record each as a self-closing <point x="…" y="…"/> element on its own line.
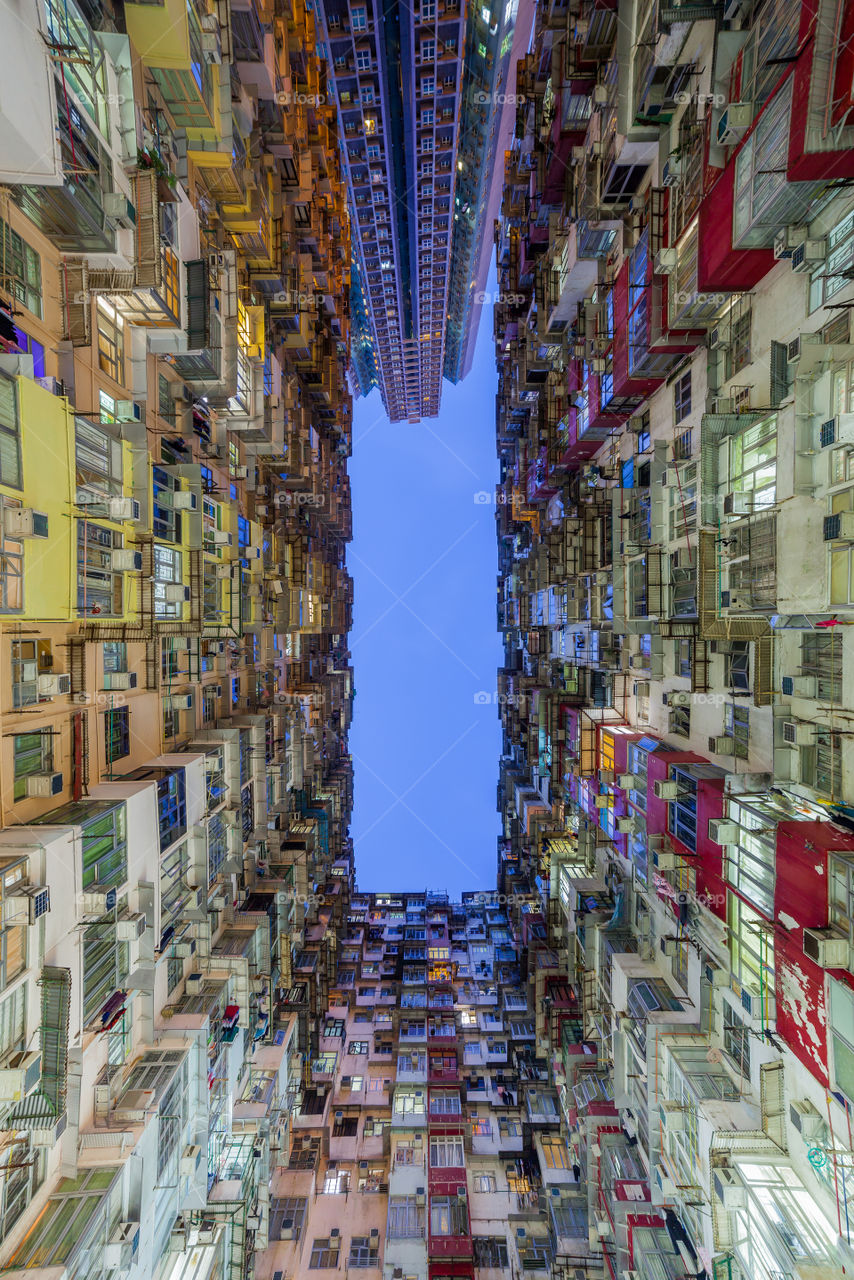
<point x="483" y="1182"/>
<point x="682" y="812"/>
<point x="679" y="721"/>
<point x="364" y="1251"/>
<point x="446" y="1153"/>
<point x="682" y="397"/>
<point x="117" y="733"/>
<point x="363" y="63"/>
<point x="111" y="344"/>
<point x="359" y="17"/>
<point x="21" y="269"/>
<point x="405" y="1217"/>
<point x="752" y="463"/>
<point x="737" y="665"/>
<point x="115" y="656"/>
<point x="336" y="1181"/>
<point x="409" y="1102"/>
<point x="357" y="1046"/>
<point x="738" y="351"/>
<point x="448" y="1216"/>
<point x="10" y="449"/>
<point x="324" y="1253"/>
<point x="33" y="754"/>
<point x="13" y="937"/>
<point x="491" y="1252"/>
<point x="13" y="1028"/>
<point x="736" y="726"/>
<point x="751" y="947"/>
<point x="167" y="573"/>
<point x="99" y="586"/>
<point x="737" y="1040"/>
<point x="833" y="275"/>
<point x="555" y="1154"/>
<point x="428" y="50"/>
<point x="29" y="659"/>
<point x="821" y="656"/>
<point x="105" y="965"/>
<point x="287" y="1217"/>
<point x="760" y="173"/>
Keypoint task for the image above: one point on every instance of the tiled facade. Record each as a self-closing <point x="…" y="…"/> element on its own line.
<point x="673" y="415"/>
<point x="176" y="691"/>
<point x="218" y="1059"/>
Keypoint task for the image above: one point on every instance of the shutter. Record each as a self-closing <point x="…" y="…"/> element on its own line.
<point x="198" y="293"/>
<point x="779" y="372"/>
<point x="772" y="1102"/>
<point x="148" y="263"/>
<point x="76" y="302"/>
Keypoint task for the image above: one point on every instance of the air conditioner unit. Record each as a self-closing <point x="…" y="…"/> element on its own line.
<point x="120" y="1250"/>
<point x="191" y="1158"/>
<point x="211" y="47"/>
<point x="808" y="255"/>
<point x="193" y="984"/>
<point x="176" y="592"/>
<point x="787" y="239"/>
<point x="239" y="472"/>
<point x="23" y="522"/>
<point x="26" y="906"/>
<point x="120" y="679"/>
<point x="665" y="790"/>
<point x="720" y="335"/>
<point x="806" y="1118"/>
<point x="184" y="949"/>
<point x="221" y="538"/>
<point x="666" y="262"/>
<point x="124" y="560"/>
<point x="839" y="527"/>
<point x="119" y="210"/>
<point x="253" y="553"/>
<point x="738" y="504"/>
<point x="827" y="948"/>
<point x="671" y="174"/>
<point x="680" y="698"/>
<point x="797" y="733"/>
<point x="673" y="1116"/>
<point x="722" y="745"/>
<point x="128" y="411"/>
<point x="629" y="826"/>
<point x="602" y="802"/>
<point x="716" y="975"/>
<point x="133" y="1106"/>
<point x="184" y="500"/>
<point x="722" y="831"/>
<point x="132" y="929"/>
<point x="20" y="1076"/>
<point x="666" y="861"/>
<point x="419" y="1195"/>
<point x="828" y="432"/>
<point x="98" y="904"/>
<point x="42" y="785"/>
<point x="628" y="781"/>
<point x="123" y="509"/>
<point x="799" y="686"/>
<point x="735" y="120"/>
<point x="728" y="1188"/>
<point x="54" y="686"/>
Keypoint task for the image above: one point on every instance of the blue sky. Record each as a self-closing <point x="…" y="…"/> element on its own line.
<point x="424" y="639"/>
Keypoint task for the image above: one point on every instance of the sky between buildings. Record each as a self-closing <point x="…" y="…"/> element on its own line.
<point x="425" y="738"/>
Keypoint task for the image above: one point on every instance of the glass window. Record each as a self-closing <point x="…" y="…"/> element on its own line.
<point x="111" y="344"/>
<point x="405" y="1216"/>
<point x="117" y="733"/>
<point x="10" y="448"/>
<point x="33" y="754"/>
<point x="99" y="586"/>
<point x="682" y="397"/>
<point x="21" y="269"/>
<point x="448" y="1216"/>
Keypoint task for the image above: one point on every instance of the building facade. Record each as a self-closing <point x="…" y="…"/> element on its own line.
<point x="673" y="348"/>
<point x="175" y="784"/>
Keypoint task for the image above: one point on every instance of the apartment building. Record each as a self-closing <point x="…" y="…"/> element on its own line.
<point x="421" y="97"/>
<point x="673" y="426"/>
<point x="175" y="784"/>
<point x="428" y="1142"/>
